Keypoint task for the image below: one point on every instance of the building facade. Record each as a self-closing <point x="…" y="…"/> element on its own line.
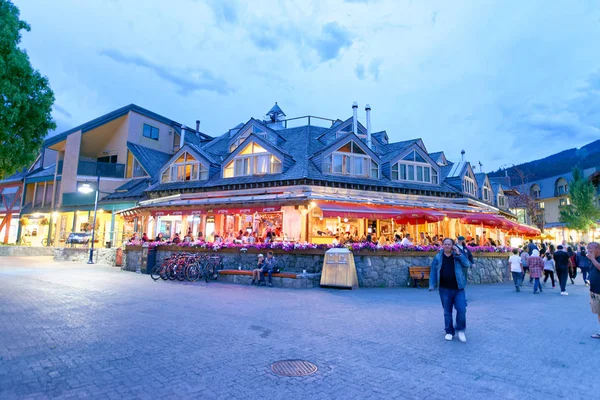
<point x="302" y="179"/>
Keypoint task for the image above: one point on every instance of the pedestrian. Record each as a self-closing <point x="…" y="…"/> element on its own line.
<point x="549" y="269"/>
<point x="536" y="266"/>
<point x="269" y="268"/>
<point x="584" y="264"/>
<point x="531" y="247"/>
<point x="593" y="254"/>
<point x="561" y="263"/>
<point x="462" y="245"/>
<point x="446" y="272"/>
<point x="407" y="241"/>
<point x="516" y="268"/>
<point x="572" y="264"/>
<point x="524" y="263"/>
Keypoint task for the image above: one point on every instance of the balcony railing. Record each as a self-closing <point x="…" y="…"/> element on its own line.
<point x="109" y="170"/>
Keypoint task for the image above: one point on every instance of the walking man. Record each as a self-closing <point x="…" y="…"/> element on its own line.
<point x="516" y="269"/>
<point x="561" y="263"/>
<point x="446" y="272"/>
<point x="593" y="254"/>
<point x="584" y="264"/>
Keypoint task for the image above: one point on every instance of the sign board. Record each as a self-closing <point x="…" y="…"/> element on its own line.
<point x="78" y="238"/>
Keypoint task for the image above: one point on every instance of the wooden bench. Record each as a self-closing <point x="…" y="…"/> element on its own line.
<point x="249" y="273"/>
<point x="419" y="274"/>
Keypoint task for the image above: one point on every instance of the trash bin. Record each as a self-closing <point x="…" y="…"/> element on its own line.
<point x="339" y="270"/>
<point x="148" y="259"/>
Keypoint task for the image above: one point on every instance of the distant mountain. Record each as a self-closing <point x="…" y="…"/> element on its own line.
<point x="586" y="157"/>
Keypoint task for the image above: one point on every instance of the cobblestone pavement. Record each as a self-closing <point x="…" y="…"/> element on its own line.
<point x="72" y="331"/>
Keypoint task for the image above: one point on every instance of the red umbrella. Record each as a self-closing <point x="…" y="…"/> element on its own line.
<point x="417" y="215"/>
<point x="487" y="220"/>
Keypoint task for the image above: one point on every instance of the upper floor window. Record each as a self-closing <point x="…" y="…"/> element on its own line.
<point x="469" y="186"/>
<point x="561" y="186"/>
<point x="563" y="202"/>
<point x="185" y="168"/>
<point x="541" y="205"/>
<point x="350" y="159"/>
<point x="253" y="160"/>
<point x="252" y="129"/>
<point x="501" y="200"/>
<point x="138" y="170"/>
<point x="536" y="191"/>
<point x="413" y="167"/>
<point x="487" y="193"/>
<point x="108" y="159"/>
<point x="150" y="132"/>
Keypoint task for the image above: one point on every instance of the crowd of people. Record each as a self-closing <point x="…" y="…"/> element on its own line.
<point x="449" y="272"/>
<point x="242" y="237"/>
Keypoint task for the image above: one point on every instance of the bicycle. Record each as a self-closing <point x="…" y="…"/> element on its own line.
<point x="45" y="241"/>
<point x="211" y="268"/>
<point x="24" y="241"/>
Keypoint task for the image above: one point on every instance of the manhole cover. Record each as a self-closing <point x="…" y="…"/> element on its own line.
<point x="293" y="368"/>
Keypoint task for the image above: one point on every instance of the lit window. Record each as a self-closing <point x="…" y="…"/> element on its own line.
<point x="350" y="159"/>
<point x="150" y="132"/>
<point x="253" y="160"/>
<point x="413" y="167"/>
<point x="185" y="168"/>
<point x="469" y="186"/>
<point x="252" y="129"/>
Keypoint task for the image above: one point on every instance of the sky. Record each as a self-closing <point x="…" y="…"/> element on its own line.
<point x="507" y="81"/>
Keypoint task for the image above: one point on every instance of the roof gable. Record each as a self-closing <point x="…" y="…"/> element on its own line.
<point x="270" y="147"/>
<point x="394" y="157"/>
<point x="351" y="137"/>
<point x="253" y="124"/>
<point x="198" y="154"/>
<point x="326" y="136"/>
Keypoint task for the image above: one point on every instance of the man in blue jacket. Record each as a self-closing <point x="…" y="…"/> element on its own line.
<point x="447" y="273"/>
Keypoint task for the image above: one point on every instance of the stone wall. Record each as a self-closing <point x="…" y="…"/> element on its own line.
<point x="374" y="269"/>
<point x="101" y="256"/>
<point x="25" y="251"/>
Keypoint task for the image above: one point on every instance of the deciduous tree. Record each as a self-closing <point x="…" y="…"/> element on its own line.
<point x="25" y="97"/>
<point x="582" y="213"/>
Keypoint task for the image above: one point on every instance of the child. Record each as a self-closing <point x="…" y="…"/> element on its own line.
<point x="549" y="268"/>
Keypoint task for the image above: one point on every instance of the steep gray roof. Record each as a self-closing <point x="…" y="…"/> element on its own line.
<point x="547" y="185"/>
<point x="151" y="160"/>
<point x="132" y="190"/>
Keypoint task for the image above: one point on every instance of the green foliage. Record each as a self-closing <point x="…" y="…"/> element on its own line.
<point x="25" y="97"/>
<point x="582" y="213"/>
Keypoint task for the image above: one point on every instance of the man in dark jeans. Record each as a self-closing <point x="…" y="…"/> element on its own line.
<point x="446" y="271"/>
<point x="269" y="268"/>
<point x="561" y="263"/>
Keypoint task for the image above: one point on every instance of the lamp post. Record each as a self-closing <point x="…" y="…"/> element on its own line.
<point x="86" y="188"/>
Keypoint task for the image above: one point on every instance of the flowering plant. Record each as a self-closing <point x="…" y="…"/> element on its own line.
<point x="299" y="246"/>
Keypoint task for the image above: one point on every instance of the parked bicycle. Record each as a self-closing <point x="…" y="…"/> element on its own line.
<point x="211" y="268"/>
<point x="180" y="267"/>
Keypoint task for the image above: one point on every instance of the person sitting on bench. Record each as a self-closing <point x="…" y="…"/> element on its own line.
<point x="256" y="271"/>
<point x="269" y="268"/>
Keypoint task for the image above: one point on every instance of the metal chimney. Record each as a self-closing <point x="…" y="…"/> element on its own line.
<point x="368" y="111"/>
<point x="354" y="118"/>
<point x="182" y="136"/>
<point x="462" y="155"/>
<point x="197" y="126"/>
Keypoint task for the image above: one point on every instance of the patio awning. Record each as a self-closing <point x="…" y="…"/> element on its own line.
<point x="352" y="210"/>
<point x="217" y="210"/>
<point x="418" y="216"/>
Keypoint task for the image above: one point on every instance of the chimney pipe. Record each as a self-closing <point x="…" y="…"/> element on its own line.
<point x="354" y="118"/>
<point x="368" y="111"/>
<point x="197" y="126"/>
<point x="462" y="155"/>
<point x="182" y="136"/>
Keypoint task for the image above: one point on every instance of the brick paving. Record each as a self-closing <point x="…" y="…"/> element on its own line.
<point x="73" y="330"/>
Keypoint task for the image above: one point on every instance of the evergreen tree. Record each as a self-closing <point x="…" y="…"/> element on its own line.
<point x="582" y="213"/>
<point x="25" y="97"/>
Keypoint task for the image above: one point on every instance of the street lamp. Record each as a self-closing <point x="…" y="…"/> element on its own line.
<point x="86" y="188"/>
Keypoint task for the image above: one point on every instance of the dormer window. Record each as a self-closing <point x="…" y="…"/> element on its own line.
<point x="253" y="160"/>
<point x="251" y="130"/>
<point x="469" y="185"/>
<point x="502" y="200"/>
<point x="350" y="159"/>
<point x="414" y="168"/>
<point x="487" y="193"/>
<point x="185" y="168"/>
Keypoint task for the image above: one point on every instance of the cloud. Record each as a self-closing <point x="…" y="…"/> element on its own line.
<point x="265" y="40"/>
<point x="332" y="40"/>
<point x="361" y="1"/>
<point x="359" y="71"/>
<point x="225" y="11"/>
<point x="61" y="110"/>
<point x="188" y="81"/>
<point x="374" y="68"/>
<point x="434" y="16"/>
